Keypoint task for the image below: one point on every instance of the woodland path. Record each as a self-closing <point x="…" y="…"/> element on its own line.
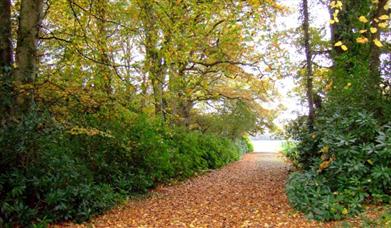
<point x="246" y="193"/>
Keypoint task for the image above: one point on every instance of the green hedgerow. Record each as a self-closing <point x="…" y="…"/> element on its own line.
<point x="51" y="174"/>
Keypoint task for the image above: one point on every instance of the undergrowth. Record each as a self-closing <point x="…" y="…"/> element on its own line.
<point x="344" y="163"/>
<point x="51" y="173"/>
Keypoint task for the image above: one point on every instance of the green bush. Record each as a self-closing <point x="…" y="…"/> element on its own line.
<point x="42" y="178"/>
<point x="302" y="154"/>
<point x="51" y="174"/>
<point x="311" y="194"/>
<point x="350" y="164"/>
<point x="244" y="145"/>
<point x="248" y="143"/>
<point x="290" y="151"/>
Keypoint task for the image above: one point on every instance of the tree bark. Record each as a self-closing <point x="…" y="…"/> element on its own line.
<point x="26" y="52"/>
<point x="105" y="80"/>
<point x="361" y="60"/>
<point x="6" y="61"/>
<point x="309" y="71"/>
<point x="154" y="64"/>
<point x="6" y="56"/>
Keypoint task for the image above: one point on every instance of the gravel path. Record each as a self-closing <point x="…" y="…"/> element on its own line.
<point x="247" y="193"/>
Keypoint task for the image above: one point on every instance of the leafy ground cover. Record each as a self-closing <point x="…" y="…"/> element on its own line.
<point x="247" y="193"/>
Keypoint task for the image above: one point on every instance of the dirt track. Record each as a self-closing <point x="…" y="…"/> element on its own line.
<point x="247" y="193"/>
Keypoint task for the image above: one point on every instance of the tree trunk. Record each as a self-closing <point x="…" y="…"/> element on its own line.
<point x="154" y="65"/>
<point x="6" y="59"/>
<point x="26" y="52"/>
<point x="105" y="79"/>
<point x="360" y="65"/>
<point x="309" y="73"/>
<point x="185" y="107"/>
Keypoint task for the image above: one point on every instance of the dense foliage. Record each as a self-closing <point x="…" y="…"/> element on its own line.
<point x="344" y="154"/>
<point x="101" y="100"/>
<point x="53" y="174"/>
<point x="347" y="162"/>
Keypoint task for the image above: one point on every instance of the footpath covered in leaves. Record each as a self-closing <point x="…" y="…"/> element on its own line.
<point x="247" y="193"/>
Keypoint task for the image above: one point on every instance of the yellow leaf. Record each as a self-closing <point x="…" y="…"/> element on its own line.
<point x="370" y="161"/>
<point x="375" y="1"/>
<point x="324" y="165"/>
<point x="377" y="43"/>
<point x="329" y="86"/>
<point x="345" y="211"/>
<point x="343" y="47"/>
<point x="382" y="25"/>
<point x="268" y="69"/>
<point x="363" y="19"/>
<point x="331" y="22"/>
<point x="384" y="17"/>
<point x="325" y="149"/>
<point x="338" y="4"/>
<point x="387" y="6"/>
<point x="339" y="43"/>
<point x="363" y="31"/>
<point x="335" y="14"/>
<point x="362" y="40"/>
<point x="373" y="30"/>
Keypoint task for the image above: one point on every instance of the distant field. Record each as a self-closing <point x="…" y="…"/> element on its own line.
<point x="269" y="146"/>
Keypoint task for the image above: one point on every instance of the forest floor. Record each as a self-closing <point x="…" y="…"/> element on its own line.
<point x="247" y="193"/>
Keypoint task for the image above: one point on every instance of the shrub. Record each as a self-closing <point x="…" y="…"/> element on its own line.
<point x="249" y="144"/>
<point x="310" y="193"/>
<point x="289" y="150"/>
<point x="350" y="164"/>
<point x="244" y="144"/>
<point x="303" y="152"/>
<point x="314" y="195"/>
<point x="51" y="174"/>
<point x="218" y="151"/>
<point x="46" y="179"/>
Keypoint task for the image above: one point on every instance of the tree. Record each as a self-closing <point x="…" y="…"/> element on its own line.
<point x="155" y="65"/>
<point x="356" y="55"/>
<point x="309" y="72"/>
<point x="6" y="56"/>
<point x="105" y="80"/>
<point x="26" y="57"/>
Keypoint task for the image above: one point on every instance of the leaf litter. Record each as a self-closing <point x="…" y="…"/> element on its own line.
<point x="246" y="193"/>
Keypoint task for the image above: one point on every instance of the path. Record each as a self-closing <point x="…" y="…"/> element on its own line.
<point x="247" y="193"/>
